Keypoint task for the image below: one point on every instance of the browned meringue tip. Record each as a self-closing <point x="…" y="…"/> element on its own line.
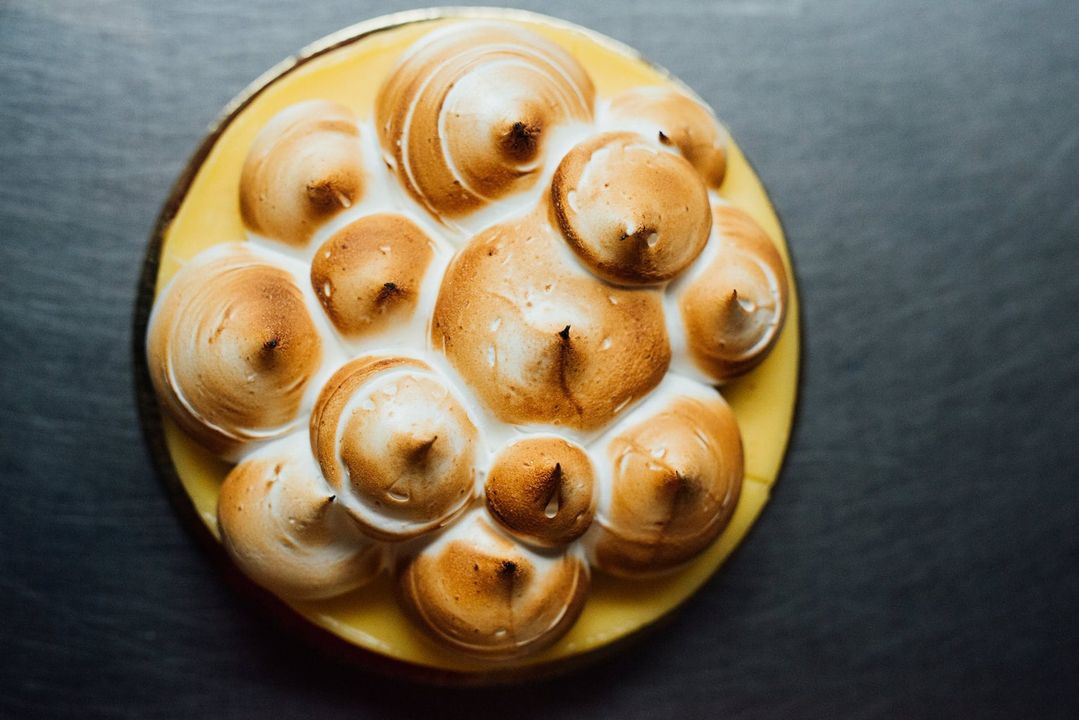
<point x="676" y="478"/>
<point x="280" y="524"/>
<point x="541" y="490"/>
<point x="676" y="120"/>
<point x="480" y="593"/>
<point x="304" y="167"/>
<point x="396" y="445"/>
<point x="734" y="310"/>
<point x="465" y="116"/>
<point x="232" y="348"/>
<point x="633" y="213"/>
<point x="367" y="276"/>
<point x="540" y="341"/>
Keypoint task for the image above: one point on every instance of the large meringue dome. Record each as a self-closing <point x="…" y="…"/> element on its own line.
<point x="458" y="304"/>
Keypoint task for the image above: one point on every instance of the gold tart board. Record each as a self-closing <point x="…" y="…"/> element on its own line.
<point x="368" y="624"/>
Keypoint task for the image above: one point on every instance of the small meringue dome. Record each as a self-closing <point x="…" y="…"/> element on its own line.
<point x="304" y="167"/>
<point x="633" y="213"/>
<point x="368" y="274"/>
<point x="465" y="117"/>
<point x="676" y="478"/>
<point x="674" y="119"/>
<point x="231" y="348"/>
<point x="539" y="340"/>
<point x="734" y="309"/>
<point x="396" y="445"/>
<point x="280" y="524"/>
<point x="540" y="490"/>
<point x="485" y="595"/>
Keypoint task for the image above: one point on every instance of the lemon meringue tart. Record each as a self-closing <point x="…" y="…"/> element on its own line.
<point x="471" y="341"/>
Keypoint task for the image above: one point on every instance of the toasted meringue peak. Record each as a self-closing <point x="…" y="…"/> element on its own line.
<point x="280" y="523"/>
<point x="368" y="274"/>
<point x="734" y="309"/>
<point x="633" y="213"/>
<point x="464" y="118"/>
<point x="396" y="445"/>
<point x="676" y="477"/>
<point x="541" y="341"/>
<point x="304" y="167"/>
<point x="541" y="490"/>
<point x="482" y="594"/>
<point x="676" y="120"/>
<point x="231" y="349"/>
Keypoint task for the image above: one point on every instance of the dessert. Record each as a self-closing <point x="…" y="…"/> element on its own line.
<point x="463" y="340"/>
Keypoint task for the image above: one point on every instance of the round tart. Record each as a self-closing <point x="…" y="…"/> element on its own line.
<point x="471" y="339"/>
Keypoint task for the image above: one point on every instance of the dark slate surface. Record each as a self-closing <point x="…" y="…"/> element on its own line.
<point x="920" y="557"/>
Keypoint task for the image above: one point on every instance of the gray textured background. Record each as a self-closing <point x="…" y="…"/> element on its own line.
<point x="920" y="557"/>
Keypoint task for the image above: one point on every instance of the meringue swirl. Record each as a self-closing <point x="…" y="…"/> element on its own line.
<point x="734" y="309"/>
<point x="396" y="445"/>
<point x="676" y="120"/>
<point x="464" y="118"/>
<point x="367" y="276"/>
<point x="540" y="341"/>
<point x="304" y="167"/>
<point x="232" y="349"/>
<point x="281" y="525"/>
<point x="541" y="490"/>
<point x="676" y="476"/>
<point x="633" y="213"/>
<point x="486" y="595"/>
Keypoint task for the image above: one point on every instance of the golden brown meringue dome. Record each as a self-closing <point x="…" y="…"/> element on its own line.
<point x="541" y="490"/>
<point x="676" y="477"/>
<point x="232" y="348"/>
<point x="674" y="119"/>
<point x="465" y="117"/>
<point x="396" y="445"/>
<point x="734" y="309"/>
<point x="368" y="274"/>
<point x="633" y="213"/>
<point x="281" y="525"/>
<point x="304" y="167"/>
<point x="540" y="341"/>
<point x="485" y="595"/>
